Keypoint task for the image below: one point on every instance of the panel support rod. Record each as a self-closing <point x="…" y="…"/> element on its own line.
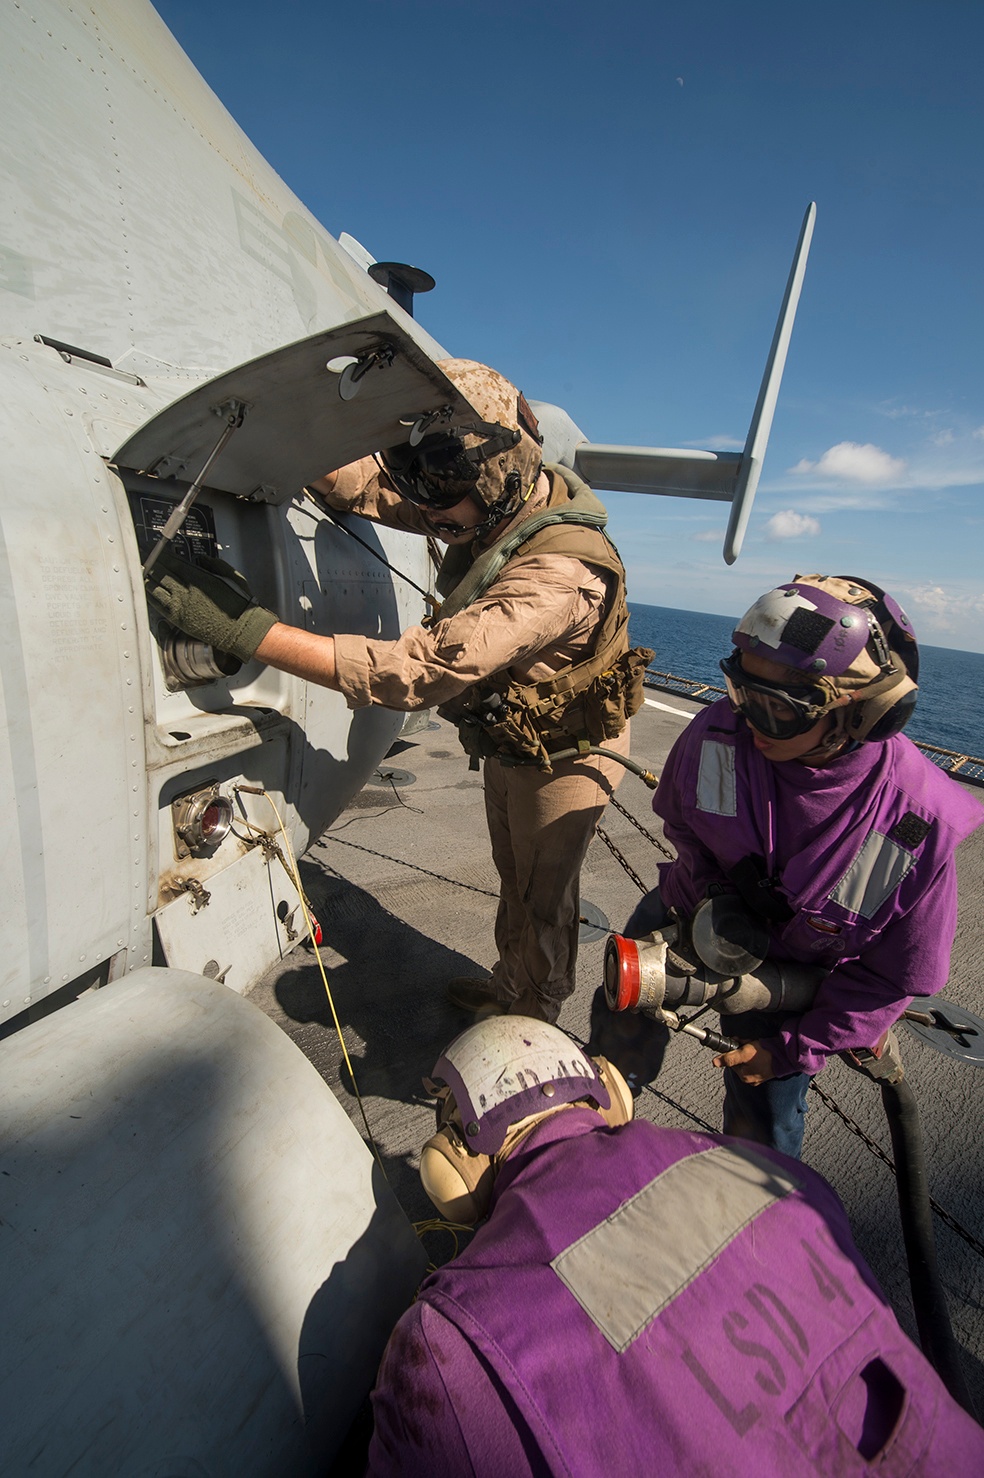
<point x="232" y="412"/>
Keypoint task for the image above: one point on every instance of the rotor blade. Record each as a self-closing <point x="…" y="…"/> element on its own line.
<point x="723" y="477"/>
<point x="758" y="432"/>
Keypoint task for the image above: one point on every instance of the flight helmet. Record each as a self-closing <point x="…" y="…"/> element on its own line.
<point x="495" y="1083"/>
<point x="495" y="459"/>
<point x="849" y="649"/>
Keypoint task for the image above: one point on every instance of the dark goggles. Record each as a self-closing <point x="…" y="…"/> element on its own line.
<point x="777" y="712"/>
<point x="440" y="470"/>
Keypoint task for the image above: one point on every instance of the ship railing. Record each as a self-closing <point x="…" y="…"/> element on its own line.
<point x="961" y="766"/>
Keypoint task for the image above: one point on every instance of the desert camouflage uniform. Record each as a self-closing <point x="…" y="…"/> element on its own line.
<point x="542" y="613"/>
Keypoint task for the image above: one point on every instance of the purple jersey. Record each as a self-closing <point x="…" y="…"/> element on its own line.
<point x="645" y="1300"/>
<point x="862" y="853"/>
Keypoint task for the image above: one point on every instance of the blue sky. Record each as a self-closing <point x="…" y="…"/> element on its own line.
<point x="609" y="196"/>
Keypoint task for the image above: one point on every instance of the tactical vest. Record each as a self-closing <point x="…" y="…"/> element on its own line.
<point x="585" y="703"/>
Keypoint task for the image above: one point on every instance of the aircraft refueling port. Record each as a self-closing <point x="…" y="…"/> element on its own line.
<point x="202" y="819"/>
<point x="188" y="663"/>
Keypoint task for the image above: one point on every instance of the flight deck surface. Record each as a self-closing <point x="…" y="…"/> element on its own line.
<point x="405" y="890"/>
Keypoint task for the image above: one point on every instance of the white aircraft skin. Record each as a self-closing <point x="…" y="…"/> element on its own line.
<point x="168" y="266"/>
<point x="140" y="225"/>
<point x="178" y="1183"/>
<point x="142" y="229"/>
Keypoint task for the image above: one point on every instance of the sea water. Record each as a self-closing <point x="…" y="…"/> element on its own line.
<point x="950" y="711"/>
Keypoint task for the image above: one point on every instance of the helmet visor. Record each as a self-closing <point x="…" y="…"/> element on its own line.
<point x="438" y="473"/>
<point x="777" y="712"/>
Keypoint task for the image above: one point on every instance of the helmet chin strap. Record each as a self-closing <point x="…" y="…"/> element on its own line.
<point x="505" y="507"/>
<point x="832" y="742"/>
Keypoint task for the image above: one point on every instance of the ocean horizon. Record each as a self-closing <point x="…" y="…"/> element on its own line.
<point x="949" y="712"/>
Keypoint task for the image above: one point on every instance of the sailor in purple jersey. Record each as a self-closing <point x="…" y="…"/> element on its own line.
<point x="640" y="1300"/>
<point x="800" y="794"/>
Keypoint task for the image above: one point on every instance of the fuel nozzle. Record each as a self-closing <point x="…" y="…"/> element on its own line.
<point x="715" y="959"/>
<point x="648" y="975"/>
<point x="703" y="1034"/>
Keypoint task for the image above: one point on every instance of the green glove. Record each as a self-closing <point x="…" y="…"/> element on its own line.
<point x="212" y="603"/>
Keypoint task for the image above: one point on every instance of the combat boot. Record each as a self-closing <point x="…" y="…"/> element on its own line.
<point x="476" y="994"/>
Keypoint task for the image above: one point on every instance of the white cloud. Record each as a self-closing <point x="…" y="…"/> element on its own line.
<point x="939" y="610"/>
<point x="908" y="412"/>
<point x="791" y="525"/>
<point x="852" y="461"/>
<point x="978" y="432"/>
<point x="837" y="502"/>
<point x="709" y="536"/>
<point x="942" y="438"/>
<point x="718" y="443"/>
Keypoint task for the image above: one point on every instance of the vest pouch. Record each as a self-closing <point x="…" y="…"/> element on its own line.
<point x="867" y="1406"/>
<point x="616" y="694"/>
<point x="490" y="725"/>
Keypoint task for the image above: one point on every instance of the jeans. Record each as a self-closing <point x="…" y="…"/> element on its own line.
<point x="772" y="1114"/>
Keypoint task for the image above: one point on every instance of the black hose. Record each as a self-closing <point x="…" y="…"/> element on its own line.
<point x="928" y="1299"/>
<point x="609" y="754"/>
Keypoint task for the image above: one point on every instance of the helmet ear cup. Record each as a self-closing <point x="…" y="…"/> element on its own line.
<point x="458" y="1182"/>
<point x="885" y="713"/>
<point x="622" y="1105"/>
<point x="895" y="720"/>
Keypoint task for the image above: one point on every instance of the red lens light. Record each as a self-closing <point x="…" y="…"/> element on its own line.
<point x="215" y="820"/>
<point x="211" y="819"/>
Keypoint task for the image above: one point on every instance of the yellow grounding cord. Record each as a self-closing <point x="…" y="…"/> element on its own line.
<point x="421" y="1228"/>
<point x="295" y="878"/>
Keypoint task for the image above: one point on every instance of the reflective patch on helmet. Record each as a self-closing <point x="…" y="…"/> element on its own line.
<point x="805" y="630"/>
<point x="767" y="619"/>
<point x="873" y="876"/>
<point x="625" y="1271"/>
<point x="716" y="789"/>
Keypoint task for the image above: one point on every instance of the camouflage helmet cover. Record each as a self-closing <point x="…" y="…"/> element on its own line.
<point x="499" y="402"/>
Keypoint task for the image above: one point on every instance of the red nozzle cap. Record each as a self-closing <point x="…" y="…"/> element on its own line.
<point x="621" y="973"/>
<point x="316" y="933"/>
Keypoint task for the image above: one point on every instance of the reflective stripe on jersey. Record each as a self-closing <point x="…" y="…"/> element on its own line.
<point x="628" y="1268"/>
<point x="716" y="789"/>
<point x="875" y="873"/>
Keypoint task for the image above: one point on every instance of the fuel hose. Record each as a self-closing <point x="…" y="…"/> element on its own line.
<point x="928" y="1299"/>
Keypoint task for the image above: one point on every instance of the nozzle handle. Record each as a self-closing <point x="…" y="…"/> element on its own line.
<point x="712" y="1039"/>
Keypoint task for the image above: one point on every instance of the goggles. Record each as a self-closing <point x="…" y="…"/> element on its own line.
<point x="777" y="712"/>
<point x="440" y="470"/>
